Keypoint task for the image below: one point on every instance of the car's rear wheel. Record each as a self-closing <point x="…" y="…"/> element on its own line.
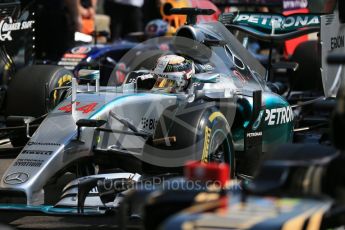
<point x="218" y="146"/>
<point x="31" y="93"/>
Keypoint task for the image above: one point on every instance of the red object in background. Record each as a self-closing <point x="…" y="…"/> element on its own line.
<point x="207" y="172"/>
<point x="120" y="73"/>
<point x="291" y="45"/>
<point x="206" y="4"/>
<point x="176" y="21"/>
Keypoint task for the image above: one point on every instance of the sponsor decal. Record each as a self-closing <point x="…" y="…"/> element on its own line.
<point x="288" y="23"/>
<point x="81" y="50"/>
<point x="68" y="65"/>
<point x="74" y="56"/>
<point x="37" y="152"/>
<point x="16" y="178"/>
<point x="337" y="42"/>
<point x="42" y="143"/>
<point x="70" y="62"/>
<point x="148" y="123"/>
<point x="295" y="4"/>
<point x="206" y="144"/>
<point x="28" y="163"/>
<point x="8" y="25"/>
<point x="279" y="116"/>
<point x="255" y="134"/>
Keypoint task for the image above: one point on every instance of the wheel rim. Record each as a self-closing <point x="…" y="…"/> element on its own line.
<point x="218" y="155"/>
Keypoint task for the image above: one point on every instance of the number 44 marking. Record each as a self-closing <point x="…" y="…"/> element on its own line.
<point x="85" y="108"/>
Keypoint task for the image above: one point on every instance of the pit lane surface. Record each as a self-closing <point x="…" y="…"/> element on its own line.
<point x="24" y="220"/>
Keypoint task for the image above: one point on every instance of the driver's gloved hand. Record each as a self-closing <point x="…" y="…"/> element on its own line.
<point x="146" y="82"/>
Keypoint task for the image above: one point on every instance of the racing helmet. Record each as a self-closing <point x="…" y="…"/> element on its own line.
<point x="156" y="28"/>
<point x="172" y="73"/>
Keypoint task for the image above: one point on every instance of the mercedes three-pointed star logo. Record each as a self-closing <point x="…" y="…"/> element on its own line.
<point x="16" y="178"/>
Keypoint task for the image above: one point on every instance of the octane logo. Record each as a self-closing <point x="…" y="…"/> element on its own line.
<point x="16" y="178"/>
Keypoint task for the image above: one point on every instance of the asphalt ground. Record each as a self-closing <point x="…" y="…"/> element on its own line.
<point x="25" y="220"/>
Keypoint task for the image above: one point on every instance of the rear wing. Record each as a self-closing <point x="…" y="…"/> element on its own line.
<point x="272" y="27"/>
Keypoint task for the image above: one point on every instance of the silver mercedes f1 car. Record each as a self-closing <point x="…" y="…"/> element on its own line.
<point x="206" y="100"/>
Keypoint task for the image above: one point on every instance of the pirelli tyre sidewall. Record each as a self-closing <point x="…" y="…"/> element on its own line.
<point x="216" y="138"/>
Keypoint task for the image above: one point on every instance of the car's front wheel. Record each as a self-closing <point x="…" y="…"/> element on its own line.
<point x="31" y="93"/>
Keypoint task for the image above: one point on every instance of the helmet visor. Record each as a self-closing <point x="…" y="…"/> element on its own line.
<point x="164" y="83"/>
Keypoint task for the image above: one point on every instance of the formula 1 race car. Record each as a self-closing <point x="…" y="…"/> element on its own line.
<point x="207" y="100"/>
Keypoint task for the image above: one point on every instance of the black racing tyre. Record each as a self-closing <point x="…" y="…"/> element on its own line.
<point x="27" y="92"/>
<point x="218" y="146"/>
<point x="202" y="135"/>
<point x="30" y="93"/>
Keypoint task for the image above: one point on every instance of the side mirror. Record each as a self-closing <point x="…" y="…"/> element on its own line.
<point x="206" y="77"/>
<point x="88" y="123"/>
<point x="89" y="75"/>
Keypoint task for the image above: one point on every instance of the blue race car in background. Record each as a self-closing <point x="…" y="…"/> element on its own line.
<point x="100" y="56"/>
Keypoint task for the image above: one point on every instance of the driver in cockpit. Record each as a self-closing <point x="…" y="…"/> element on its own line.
<point x="172" y="74"/>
